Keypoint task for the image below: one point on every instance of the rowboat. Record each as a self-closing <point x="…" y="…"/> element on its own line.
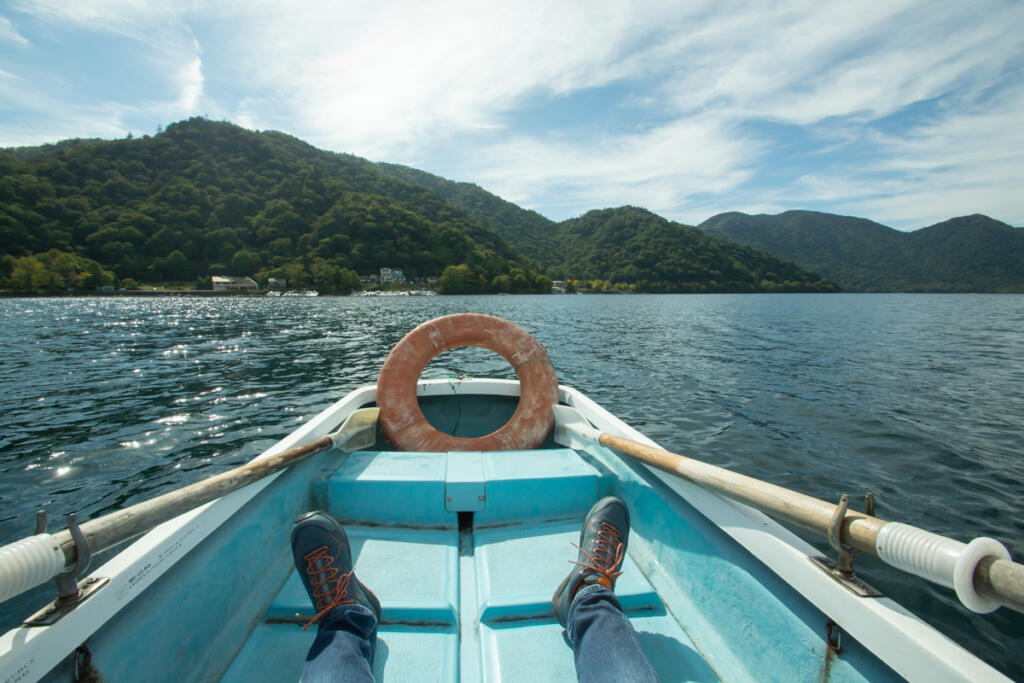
<point x="464" y="547"/>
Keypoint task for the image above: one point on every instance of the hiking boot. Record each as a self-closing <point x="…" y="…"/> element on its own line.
<point x="602" y="549"/>
<point x="323" y="559"/>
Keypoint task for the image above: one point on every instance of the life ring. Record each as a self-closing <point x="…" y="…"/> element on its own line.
<point x="404" y="424"/>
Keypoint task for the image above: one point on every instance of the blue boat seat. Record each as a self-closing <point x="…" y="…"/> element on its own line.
<point x="411" y="489"/>
<point x="415" y="575"/>
<point x="471" y="608"/>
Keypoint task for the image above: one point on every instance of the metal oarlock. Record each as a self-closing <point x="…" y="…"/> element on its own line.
<point x="69" y="591"/>
<point x="842" y="568"/>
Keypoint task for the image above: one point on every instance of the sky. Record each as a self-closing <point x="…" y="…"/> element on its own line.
<point x="904" y="112"/>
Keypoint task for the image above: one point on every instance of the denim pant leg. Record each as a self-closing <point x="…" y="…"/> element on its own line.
<point x="343" y="649"/>
<point x="604" y="643"/>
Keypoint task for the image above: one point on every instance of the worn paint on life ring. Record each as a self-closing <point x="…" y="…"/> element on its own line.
<point x="404" y="424"/>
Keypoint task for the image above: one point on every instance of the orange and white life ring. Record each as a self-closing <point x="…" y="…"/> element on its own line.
<point x="404" y="424"/>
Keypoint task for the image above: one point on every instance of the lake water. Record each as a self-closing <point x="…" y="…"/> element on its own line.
<point x="918" y="398"/>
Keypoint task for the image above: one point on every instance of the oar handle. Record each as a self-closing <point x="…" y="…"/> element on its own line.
<point x="981" y="571"/>
<point x="28" y="563"/>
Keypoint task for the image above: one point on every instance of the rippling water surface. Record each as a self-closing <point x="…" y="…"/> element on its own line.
<point x="918" y="398"/>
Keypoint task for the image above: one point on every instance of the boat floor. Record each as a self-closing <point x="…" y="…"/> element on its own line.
<point x="465" y="596"/>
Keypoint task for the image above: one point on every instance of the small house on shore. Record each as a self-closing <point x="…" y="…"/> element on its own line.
<point x="221" y="283"/>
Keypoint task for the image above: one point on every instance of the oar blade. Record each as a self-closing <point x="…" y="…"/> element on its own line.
<point x="359" y="430"/>
<point x="572" y="429"/>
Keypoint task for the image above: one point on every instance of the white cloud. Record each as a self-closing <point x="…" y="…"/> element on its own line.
<point x="126" y="17"/>
<point x="963" y="161"/>
<point x="9" y="34"/>
<point x="190" y="80"/>
<point x="166" y="47"/>
<point x="375" y="81"/>
<point x="658" y="169"/>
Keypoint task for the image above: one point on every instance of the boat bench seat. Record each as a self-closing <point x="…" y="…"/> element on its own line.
<point x="405" y="540"/>
<point x="428" y="489"/>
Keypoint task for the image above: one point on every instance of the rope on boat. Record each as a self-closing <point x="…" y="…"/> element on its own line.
<point x="458" y="404"/>
<point x="534" y="360"/>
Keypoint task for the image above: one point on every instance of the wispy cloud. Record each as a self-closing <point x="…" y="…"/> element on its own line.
<point x="190" y="80"/>
<point x="658" y="169"/>
<point x="126" y="17"/>
<point x="377" y="81"/>
<point x="50" y="106"/>
<point x="9" y="34"/>
<point x="965" y="160"/>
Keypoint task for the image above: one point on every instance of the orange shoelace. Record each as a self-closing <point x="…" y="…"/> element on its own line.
<point x="608" y="554"/>
<point x="329" y="589"/>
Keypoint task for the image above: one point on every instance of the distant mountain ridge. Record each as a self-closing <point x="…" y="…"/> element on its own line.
<point x="623" y="249"/>
<point x="632" y="245"/>
<point x="966" y="254"/>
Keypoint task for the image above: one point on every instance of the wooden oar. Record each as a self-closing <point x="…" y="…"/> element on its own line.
<point x="34" y="560"/>
<point x="981" y="572"/>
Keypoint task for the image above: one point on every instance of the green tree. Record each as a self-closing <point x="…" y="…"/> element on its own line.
<point x="295" y="274"/>
<point x="244" y="262"/>
<point x="325" y="275"/>
<point x="54" y="271"/>
<point x="456" y="280"/>
<point x="29" y="273"/>
<point x="501" y="283"/>
<point x="349" y="281"/>
<point x="177" y="266"/>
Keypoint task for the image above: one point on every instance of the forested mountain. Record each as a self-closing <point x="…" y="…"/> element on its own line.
<point x="528" y="230"/>
<point x="204" y="198"/>
<point x="643" y="251"/>
<point x="968" y="254"/>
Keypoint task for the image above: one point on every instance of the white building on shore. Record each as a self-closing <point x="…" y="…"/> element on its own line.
<point x="223" y="282"/>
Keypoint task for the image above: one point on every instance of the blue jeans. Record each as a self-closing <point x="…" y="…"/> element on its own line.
<point x="343" y="649"/>
<point x="604" y="644"/>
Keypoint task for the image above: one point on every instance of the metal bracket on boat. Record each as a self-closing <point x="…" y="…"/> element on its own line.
<point x="842" y="569"/>
<point x="69" y="591"/>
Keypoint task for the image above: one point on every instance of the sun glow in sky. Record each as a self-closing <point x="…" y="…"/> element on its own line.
<point x="904" y="112"/>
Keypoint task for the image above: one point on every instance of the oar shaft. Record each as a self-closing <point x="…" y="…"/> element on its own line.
<point x="996" y="580"/>
<point x="858" y="530"/>
<point x="34" y="560"/>
<point x="31" y="561"/>
<point x="1001" y="580"/>
<point x="104" y="532"/>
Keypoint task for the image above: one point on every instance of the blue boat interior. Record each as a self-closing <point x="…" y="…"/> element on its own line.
<point x="464" y="551"/>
